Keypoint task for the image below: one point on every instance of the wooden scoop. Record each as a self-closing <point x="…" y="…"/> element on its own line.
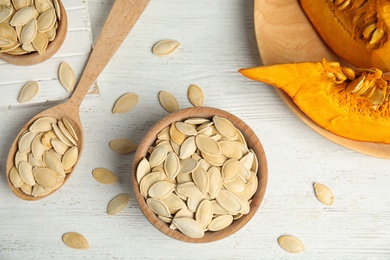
<point x="120" y="21"/>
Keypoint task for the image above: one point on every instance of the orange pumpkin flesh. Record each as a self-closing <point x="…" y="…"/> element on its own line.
<point x="356" y="30"/>
<point x="356" y="108"/>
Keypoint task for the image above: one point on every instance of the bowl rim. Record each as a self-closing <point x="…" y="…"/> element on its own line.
<point x="52" y="48"/>
<point x="253" y="143"/>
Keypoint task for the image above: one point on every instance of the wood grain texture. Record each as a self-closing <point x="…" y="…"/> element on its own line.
<point x="253" y="143"/>
<point x="217" y="38"/>
<point x="285" y="35"/>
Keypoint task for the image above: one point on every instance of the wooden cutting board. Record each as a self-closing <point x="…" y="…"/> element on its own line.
<point x="285" y="35"/>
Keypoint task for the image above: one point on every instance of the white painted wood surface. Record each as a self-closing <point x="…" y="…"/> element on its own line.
<point x="217" y="39"/>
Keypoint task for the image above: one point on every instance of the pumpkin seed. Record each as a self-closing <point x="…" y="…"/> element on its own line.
<point x="187" y="148"/>
<point x="148" y="180"/>
<point x="215" y="181"/>
<point x="66" y="76"/>
<point x="186" y="129"/>
<point x="5" y="12"/>
<point x="176" y="136"/>
<point x="46" y="20"/>
<point x="59" y="146"/>
<point x="42" y="124"/>
<point x="220" y="222"/>
<point x="61" y="135"/>
<point x="168" y="101"/>
<point x="25" y="172"/>
<point x="39" y="190"/>
<point x="189" y="189"/>
<point x="204" y="213"/>
<point x="25" y="141"/>
<point x="188" y="165"/>
<point x="189" y="227"/>
<point x="66" y="133"/>
<point x="172" y="165"/>
<point x="23" y="16"/>
<point x="225" y="127"/>
<point x="200" y="177"/>
<point x="7" y="34"/>
<point x="207" y="145"/>
<point x="125" y="103"/>
<point x="195" y="95"/>
<point x="20" y="157"/>
<point x="75" y="240"/>
<point x="27" y="189"/>
<point x="53" y="163"/>
<point x="70" y="129"/>
<point x="28" y="92"/>
<point x="143" y="168"/>
<point x="118" y="204"/>
<point x="291" y="244"/>
<point x="104" y="176"/>
<point x="230" y="169"/>
<point x="173" y="202"/>
<point x="29" y="32"/>
<point x="323" y="193"/>
<point x="158" y="207"/>
<point x="48" y="178"/>
<point x="161" y="189"/>
<point x="165" y="47"/>
<point x="42" y="5"/>
<point x="15" y="177"/>
<point x="40" y="42"/>
<point x="122" y="145"/>
<point x="229" y="201"/>
<point x="47" y="137"/>
<point x="70" y="158"/>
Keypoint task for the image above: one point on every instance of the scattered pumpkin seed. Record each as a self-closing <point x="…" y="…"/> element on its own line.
<point x="118" y="203"/>
<point x="122" y="145"/>
<point x="104" y="176"/>
<point x="28" y="92"/>
<point x="168" y="101"/>
<point x="165" y="47"/>
<point x="66" y="76"/>
<point x="125" y="103"/>
<point x="75" y="240"/>
<point x="291" y="244"/>
<point x="323" y="194"/>
<point x="195" y="95"/>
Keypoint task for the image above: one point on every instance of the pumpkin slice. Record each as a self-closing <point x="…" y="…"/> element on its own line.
<point x="350" y="103"/>
<point x="356" y="30"/>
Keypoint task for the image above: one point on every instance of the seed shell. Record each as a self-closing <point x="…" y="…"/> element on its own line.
<point x="220" y="222"/>
<point x="165" y="47"/>
<point x="291" y="244"/>
<point x="75" y="240"/>
<point x="66" y="76"/>
<point x="15" y="177"/>
<point x="122" y="145"/>
<point x="195" y="95"/>
<point x="143" y="169"/>
<point x="189" y="227"/>
<point x="104" y="176"/>
<point x="323" y="194"/>
<point x="125" y="103"/>
<point x="168" y="101"/>
<point x="118" y="203"/>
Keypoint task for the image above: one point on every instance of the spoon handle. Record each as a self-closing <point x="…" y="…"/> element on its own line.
<point x="120" y="21"/>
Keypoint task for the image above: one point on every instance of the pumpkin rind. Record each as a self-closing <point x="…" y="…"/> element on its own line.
<point x="338" y="104"/>
<point x="356" y="30"/>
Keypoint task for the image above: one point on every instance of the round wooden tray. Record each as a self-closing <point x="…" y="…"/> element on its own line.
<point x="285" y="35"/>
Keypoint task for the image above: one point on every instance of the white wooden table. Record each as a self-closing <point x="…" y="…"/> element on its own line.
<point x="217" y="39"/>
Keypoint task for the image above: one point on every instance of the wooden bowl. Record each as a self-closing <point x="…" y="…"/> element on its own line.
<point x="252" y="142"/>
<point x="52" y="48"/>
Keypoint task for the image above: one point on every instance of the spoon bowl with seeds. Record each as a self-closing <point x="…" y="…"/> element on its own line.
<point x="199" y="174"/>
<point x="46" y="150"/>
<point x="32" y="31"/>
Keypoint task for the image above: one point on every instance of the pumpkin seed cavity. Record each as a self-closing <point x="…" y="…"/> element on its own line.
<point x="192" y="182"/>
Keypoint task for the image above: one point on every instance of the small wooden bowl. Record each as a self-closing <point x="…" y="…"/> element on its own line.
<point x="253" y="143"/>
<point x="53" y="46"/>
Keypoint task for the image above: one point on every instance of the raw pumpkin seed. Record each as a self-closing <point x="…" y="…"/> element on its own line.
<point x="197" y="176"/>
<point x="122" y="145"/>
<point x="168" y="101"/>
<point x="125" y="103"/>
<point x="323" y="194"/>
<point x="28" y="92"/>
<point x="118" y="203"/>
<point x="195" y="95"/>
<point x="104" y="176"/>
<point x="22" y="16"/>
<point x="28" y="32"/>
<point x="75" y="240"/>
<point x="165" y="47"/>
<point x="291" y="244"/>
<point x="66" y="76"/>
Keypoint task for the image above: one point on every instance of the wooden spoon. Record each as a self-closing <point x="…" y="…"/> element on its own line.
<point x="120" y="21"/>
<point x="52" y="48"/>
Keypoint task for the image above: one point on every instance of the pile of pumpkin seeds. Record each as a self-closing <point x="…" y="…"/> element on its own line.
<point x="47" y="151"/>
<point x="199" y="175"/>
<point x="28" y="26"/>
